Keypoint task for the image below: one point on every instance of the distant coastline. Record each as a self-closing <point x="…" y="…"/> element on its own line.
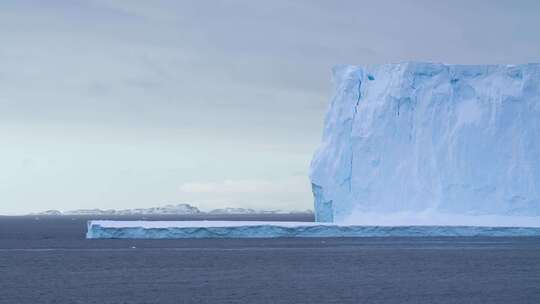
<point x="178" y="209"/>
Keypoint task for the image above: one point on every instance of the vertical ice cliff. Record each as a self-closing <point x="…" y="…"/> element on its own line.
<point x="420" y="141"/>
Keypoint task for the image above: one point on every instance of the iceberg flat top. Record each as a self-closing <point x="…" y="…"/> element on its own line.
<point x="370" y="220"/>
<point x="195" y="224"/>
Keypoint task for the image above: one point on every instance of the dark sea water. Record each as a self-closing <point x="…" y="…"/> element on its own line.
<point x="47" y="260"/>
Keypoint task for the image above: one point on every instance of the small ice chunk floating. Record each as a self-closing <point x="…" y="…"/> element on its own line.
<point x="409" y="149"/>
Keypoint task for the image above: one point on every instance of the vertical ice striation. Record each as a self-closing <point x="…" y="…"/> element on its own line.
<point x="324" y="211"/>
<point x="413" y="141"/>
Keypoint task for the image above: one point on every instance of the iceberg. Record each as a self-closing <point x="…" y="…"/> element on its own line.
<point x="430" y="144"/>
<point x="252" y="229"/>
<point x="409" y="149"/>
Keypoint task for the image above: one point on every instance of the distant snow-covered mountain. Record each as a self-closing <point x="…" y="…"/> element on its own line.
<point x="167" y="209"/>
<point x="233" y="211"/>
<point x="50" y="212"/>
<point x="179" y="209"/>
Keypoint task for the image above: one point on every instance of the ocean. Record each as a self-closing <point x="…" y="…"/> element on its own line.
<point x="48" y="260"/>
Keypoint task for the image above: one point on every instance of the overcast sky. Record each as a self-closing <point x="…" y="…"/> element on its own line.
<point x="122" y="104"/>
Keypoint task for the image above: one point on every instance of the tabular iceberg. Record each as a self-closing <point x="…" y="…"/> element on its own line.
<point x="243" y="229"/>
<point x="427" y="143"/>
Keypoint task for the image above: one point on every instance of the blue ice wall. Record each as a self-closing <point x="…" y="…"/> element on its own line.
<point x="428" y="138"/>
<point x="324" y="211"/>
<point x="271" y="230"/>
